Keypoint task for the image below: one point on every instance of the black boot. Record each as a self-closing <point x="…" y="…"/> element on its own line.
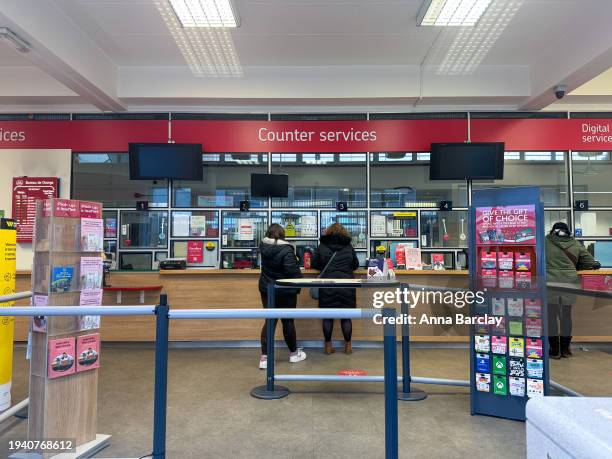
<point x="553" y="351"/>
<point x="565" y="346"/>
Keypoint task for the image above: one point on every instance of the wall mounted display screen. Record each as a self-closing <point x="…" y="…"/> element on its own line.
<point x="273" y="185"/>
<point x="175" y="161"/>
<point x="460" y="161"/>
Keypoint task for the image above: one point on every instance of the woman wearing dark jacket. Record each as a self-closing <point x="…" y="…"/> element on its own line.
<point x="336" y="239"/>
<point x="278" y="261"/>
<point x="564" y="256"/>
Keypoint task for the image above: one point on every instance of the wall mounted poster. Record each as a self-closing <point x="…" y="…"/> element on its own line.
<point x="26" y="191"/>
<point x="88" y="352"/>
<point x="309" y="225"/>
<point x="246" y="229"/>
<point x="511" y="225"/>
<point x="61" y="357"/>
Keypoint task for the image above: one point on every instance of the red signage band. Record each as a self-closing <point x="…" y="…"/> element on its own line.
<point x="235" y="136"/>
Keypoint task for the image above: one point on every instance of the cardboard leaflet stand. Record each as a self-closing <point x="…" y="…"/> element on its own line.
<point x="508" y="360"/>
<point x="67" y="271"/>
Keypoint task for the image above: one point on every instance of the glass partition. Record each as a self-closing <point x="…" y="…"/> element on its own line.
<point x="147" y="229"/>
<point x="195" y="223"/>
<point x="243" y="259"/>
<point x="136" y="261"/>
<point x="553" y="216"/>
<point x="433" y="260"/>
<point x="594" y="223"/>
<point x="402" y="180"/>
<point x="546" y="169"/>
<point x="354" y="221"/>
<point x="444" y="229"/>
<point x="322" y="179"/>
<point x="591" y="174"/>
<point x="105" y="177"/>
<point x="297" y="224"/>
<point x="243" y="229"/>
<point x="226" y="182"/>
<point x="204" y="253"/>
<point x="601" y="251"/>
<point x="111" y="223"/>
<point x="401" y="224"/>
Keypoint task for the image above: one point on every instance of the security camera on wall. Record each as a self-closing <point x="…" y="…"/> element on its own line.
<point x="560" y="91"/>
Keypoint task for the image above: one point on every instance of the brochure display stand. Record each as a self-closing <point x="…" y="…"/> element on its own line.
<point x="67" y="271"/>
<point x="509" y="345"/>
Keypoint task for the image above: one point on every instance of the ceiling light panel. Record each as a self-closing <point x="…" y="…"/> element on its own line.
<point x="208" y="51"/>
<point x="205" y="13"/>
<point x="452" y="13"/>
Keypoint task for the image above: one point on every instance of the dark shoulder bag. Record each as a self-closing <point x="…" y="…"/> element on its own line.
<point x="314" y="291"/>
<point x="568" y="254"/>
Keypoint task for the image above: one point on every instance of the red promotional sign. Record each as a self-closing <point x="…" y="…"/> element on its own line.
<point x="318" y="136"/>
<point x="26" y="191"/>
<point x="195" y="252"/>
<point x="545" y="134"/>
<point x="514" y="225"/>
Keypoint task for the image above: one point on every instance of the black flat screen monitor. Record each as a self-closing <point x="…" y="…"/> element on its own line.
<point x="273" y="185"/>
<point x="461" y="161"/>
<point x="175" y="161"/>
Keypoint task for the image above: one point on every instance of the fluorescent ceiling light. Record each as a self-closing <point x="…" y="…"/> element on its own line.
<point x="453" y="13"/>
<point x="19" y="43"/>
<point x="205" y="13"/>
<point x="209" y="51"/>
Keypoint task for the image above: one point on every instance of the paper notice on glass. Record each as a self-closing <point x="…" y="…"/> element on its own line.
<point x="413" y="258"/>
<point x="379" y="225"/>
<point x="309" y="225"/>
<point x="198" y="225"/>
<point x="180" y="224"/>
<point x="246" y="229"/>
<point x="92" y="234"/>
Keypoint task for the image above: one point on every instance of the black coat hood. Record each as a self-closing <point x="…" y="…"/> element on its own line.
<point x="335" y="241"/>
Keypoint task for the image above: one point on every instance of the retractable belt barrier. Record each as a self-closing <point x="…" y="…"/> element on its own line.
<point x="269" y="390"/>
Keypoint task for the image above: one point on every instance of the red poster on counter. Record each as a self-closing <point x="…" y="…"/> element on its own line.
<point x="195" y="252"/>
<point x="506" y="225"/>
<point x="26" y="191"/>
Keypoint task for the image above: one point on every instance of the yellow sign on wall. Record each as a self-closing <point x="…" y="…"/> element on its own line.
<point x="8" y="255"/>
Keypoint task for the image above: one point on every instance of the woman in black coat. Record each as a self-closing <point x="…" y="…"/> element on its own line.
<point x="278" y="261"/>
<point x="336" y="239"/>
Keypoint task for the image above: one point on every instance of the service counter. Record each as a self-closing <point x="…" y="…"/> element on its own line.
<point x="223" y="288"/>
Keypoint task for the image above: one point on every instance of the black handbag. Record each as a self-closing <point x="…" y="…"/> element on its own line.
<point x="314" y="291"/>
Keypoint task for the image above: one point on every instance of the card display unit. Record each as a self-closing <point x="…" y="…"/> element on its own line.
<point x="507" y="263"/>
<point x="67" y="271"/>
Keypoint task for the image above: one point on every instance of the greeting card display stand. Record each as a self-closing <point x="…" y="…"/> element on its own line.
<point x="509" y="347"/>
<point x="65" y="357"/>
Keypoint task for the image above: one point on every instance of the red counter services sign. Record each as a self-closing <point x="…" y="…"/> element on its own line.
<point x="238" y="136"/>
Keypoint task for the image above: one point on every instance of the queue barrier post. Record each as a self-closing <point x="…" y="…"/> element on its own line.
<point x="161" y="378"/>
<point x="408" y="393"/>
<point x="390" y="362"/>
<point x="270" y="391"/>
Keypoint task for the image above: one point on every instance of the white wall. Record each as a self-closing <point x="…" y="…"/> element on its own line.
<point x="33" y="163"/>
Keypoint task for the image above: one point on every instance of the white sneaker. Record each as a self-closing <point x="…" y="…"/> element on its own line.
<point x="297" y="356"/>
<point x="263" y="362"/>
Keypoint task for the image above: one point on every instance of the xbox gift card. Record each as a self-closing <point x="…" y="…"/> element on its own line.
<point x="499" y="364"/>
<point x="500" y="385"/>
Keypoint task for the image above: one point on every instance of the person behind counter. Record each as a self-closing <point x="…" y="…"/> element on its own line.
<point x="278" y="261"/>
<point x="335" y="257"/>
<point x="564" y="257"/>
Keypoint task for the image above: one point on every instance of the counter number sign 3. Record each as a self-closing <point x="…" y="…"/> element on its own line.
<point x="341" y="206"/>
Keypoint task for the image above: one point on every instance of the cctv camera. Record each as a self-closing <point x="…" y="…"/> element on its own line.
<point x="560" y="91"/>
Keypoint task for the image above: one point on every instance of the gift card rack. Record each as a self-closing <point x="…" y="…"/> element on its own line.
<point x="509" y="358"/>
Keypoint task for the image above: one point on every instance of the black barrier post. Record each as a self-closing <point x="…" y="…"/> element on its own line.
<point x="390" y="359"/>
<point x="270" y="391"/>
<point x="409" y="394"/>
<point x="161" y="378"/>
